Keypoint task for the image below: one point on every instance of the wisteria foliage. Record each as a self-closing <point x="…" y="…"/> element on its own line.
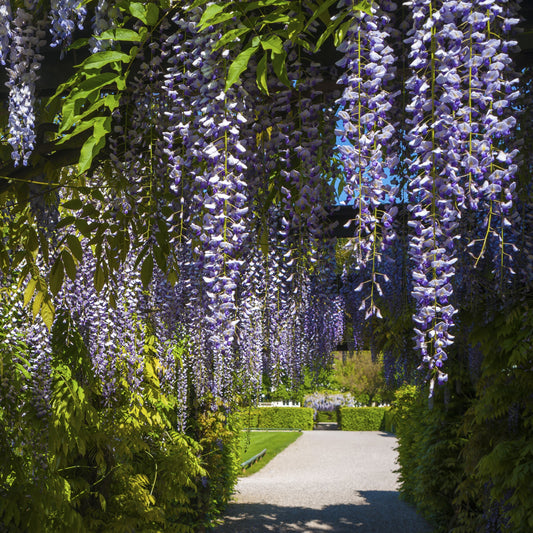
<point x="213" y="217"/>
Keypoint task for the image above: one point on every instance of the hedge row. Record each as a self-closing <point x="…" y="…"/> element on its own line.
<point x="389" y="421"/>
<point x="365" y="419"/>
<point x="278" y="418"/>
<point x="466" y="459"/>
<point x="348" y="418"/>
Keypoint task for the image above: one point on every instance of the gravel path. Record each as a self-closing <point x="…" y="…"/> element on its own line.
<point x="326" y="481"/>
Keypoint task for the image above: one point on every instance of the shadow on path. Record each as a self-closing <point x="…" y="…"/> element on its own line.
<point x="377" y="512"/>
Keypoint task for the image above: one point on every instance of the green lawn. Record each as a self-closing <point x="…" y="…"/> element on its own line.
<point x="252" y="442"/>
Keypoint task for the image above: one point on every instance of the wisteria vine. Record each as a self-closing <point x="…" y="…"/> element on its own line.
<point x="221" y="191"/>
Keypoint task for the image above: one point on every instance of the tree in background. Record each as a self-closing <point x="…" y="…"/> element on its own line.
<point x="361" y="375"/>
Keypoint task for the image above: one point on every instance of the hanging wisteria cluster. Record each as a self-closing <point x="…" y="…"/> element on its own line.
<point x="222" y="192"/>
<point x="368" y="140"/>
<point x="460" y="92"/>
<point x="23" y="63"/>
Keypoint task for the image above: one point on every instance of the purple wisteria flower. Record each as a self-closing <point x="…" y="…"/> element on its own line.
<point x="5" y="30"/>
<point x="368" y="134"/>
<point x="112" y="331"/>
<point x="23" y="66"/>
<point x="25" y="342"/>
<point x="208" y="139"/>
<point x="250" y="333"/>
<point x="65" y="16"/>
<point x="460" y="89"/>
<point x="105" y="13"/>
<point x="321" y="401"/>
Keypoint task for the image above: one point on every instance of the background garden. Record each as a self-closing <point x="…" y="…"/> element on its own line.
<point x="168" y="248"/>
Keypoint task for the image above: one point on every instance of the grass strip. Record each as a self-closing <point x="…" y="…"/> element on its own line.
<point x="252" y="442"/>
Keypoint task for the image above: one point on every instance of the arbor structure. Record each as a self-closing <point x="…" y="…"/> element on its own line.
<point x="167" y="169"/>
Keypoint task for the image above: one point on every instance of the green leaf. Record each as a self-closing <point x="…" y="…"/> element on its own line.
<point x="79" y="43"/>
<point x="219" y="19"/>
<point x="102" y="500"/>
<point x="75" y="247"/>
<point x="280" y="67"/>
<point x="149" y="13"/>
<point x="230" y="37"/>
<point x="364" y="5"/>
<point x="29" y="290"/>
<point x="160" y="258"/>
<point x="321" y="13"/>
<point x="208" y="14"/>
<point x="239" y="65"/>
<point x="101" y="59"/>
<point x="99" y="277"/>
<point x="250" y="6"/>
<point x="110" y="101"/>
<point x="340" y="34"/>
<point x="264" y="239"/>
<point x="329" y="31"/>
<point x="93" y="145"/>
<point x="275" y="18"/>
<point x="48" y="312"/>
<point x="57" y="276"/>
<point x="70" y="265"/>
<point x="147" y="270"/>
<point x="295" y="29"/>
<point x="262" y="74"/>
<point x="83" y="227"/>
<point x="152" y="14"/>
<point x="74" y="204"/>
<point x="37" y="302"/>
<point x="93" y="82"/>
<point x="32" y="243"/>
<point x="273" y="43"/>
<point x="120" y="34"/>
<point x="80" y="128"/>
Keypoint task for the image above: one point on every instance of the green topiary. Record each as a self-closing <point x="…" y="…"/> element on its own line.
<point x="362" y="418"/>
<point x="278" y="418"/>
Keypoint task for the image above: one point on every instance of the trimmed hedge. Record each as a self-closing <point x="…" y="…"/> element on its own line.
<point x="389" y="421"/>
<point x="278" y="418"/>
<point x="363" y="418"/>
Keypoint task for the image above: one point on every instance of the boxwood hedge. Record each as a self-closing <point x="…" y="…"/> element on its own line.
<point x="364" y="419"/>
<point x="278" y="418"/>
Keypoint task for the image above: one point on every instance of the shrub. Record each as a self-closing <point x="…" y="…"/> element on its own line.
<point x="278" y="418"/>
<point x="388" y="422"/>
<point x="498" y="429"/>
<point x="362" y="418"/>
<point x="429" y="455"/>
<point x="361" y="374"/>
<point x="466" y="460"/>
<point x="91" y="467"/>
<point x="219" y="437"/>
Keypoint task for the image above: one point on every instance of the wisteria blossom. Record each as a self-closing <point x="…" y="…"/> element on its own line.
<point x="27" y="38"/>
<point x="227" y="188"/>
<point x="112" y="334"/>
<point x="368" y="135"/>
<point x="455" y="154"/>
<point x="66" y="16"/>
<point x="5" y="30"/>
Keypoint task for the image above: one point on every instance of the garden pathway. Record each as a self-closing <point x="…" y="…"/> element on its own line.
<point x="326" y="481"/>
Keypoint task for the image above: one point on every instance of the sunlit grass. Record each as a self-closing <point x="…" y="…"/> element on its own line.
<point x="252" y="442"/>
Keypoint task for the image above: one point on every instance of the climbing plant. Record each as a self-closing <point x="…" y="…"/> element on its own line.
<point x="168" y="197"/>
